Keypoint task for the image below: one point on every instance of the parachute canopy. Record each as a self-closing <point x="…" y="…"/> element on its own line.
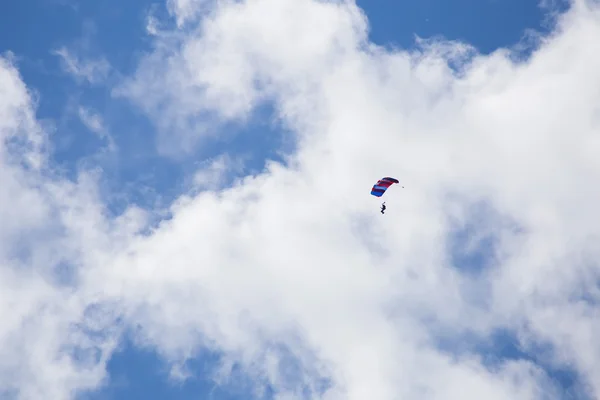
<point x="382" y="185"/>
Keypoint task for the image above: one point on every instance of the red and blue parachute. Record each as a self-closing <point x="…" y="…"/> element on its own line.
<point x="381" y="186"/>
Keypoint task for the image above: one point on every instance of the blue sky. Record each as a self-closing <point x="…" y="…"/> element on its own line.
<point x="35" y="30"/>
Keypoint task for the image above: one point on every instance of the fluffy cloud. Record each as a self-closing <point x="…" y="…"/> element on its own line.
<point x="52" y="232"/>
<point x="517" y="137"/>
<point x="295" y="268"/>
<point x="186" y="10"/>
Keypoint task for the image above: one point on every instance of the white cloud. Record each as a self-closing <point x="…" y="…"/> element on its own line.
<point x="187" y="10"/>
<point x="18" y="128"/>
<point x="48" y="226"/>
<point x="497" y="135"/>
<point x="214" y="174"/>
<point x="300" y="255"/>
<point x="95" y="123"/>
<point x="94" y="71"/>
<point x="29" y="303"/>
<point x="518" y="136"/>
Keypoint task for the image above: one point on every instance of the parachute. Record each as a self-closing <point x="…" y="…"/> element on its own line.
<point x="381" y="186"/>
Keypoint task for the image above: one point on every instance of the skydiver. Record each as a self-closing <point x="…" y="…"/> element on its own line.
<point x="383" y="208"/>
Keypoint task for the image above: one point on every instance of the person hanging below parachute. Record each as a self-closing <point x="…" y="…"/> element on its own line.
<point x="381" y="186"/>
